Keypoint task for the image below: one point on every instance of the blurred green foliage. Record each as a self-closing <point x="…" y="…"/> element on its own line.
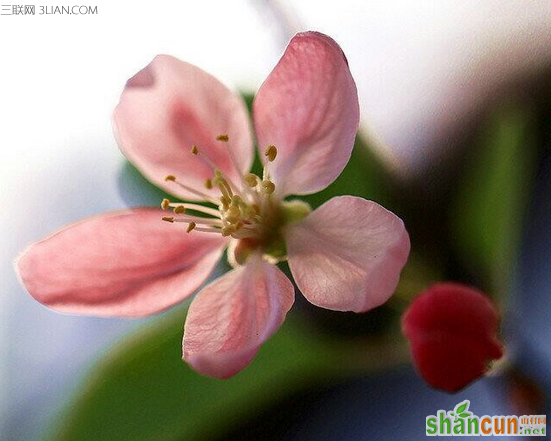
<point x="144" y="391"/>
<point x="492" y="199"/>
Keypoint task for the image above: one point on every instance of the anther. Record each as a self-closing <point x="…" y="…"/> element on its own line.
<point x="208" y="184"/>
<point x="233" y="214"/>
<point x="180" y="209"/>
<point x="194" y="150"/>
<point x="170" y="178"/>
<point x="271" y="153"/>
<point x="223" y="138"/>
<point x="268" y="186"/>
<point x="191" y="227"/>
<point x="226" y="231"/>
<point x="225" y="201"/>
<point x="251" y="179"/>
<point x="233" y="211"/>
<point x="168" y="219"/>
<point x="165" y="204"/>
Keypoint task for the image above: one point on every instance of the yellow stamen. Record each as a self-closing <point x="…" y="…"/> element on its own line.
<point x="204" y="196"/>
<point x="225" y="202"/>
<point x="251" y="179"/>
<point x="268" y="186"/>
<point x="271" y="153"/>
<point x="233" y="214"/>
<point x="241" y="212"/>
<point x="200" y="208"/>
<point x="226" y="231"/>
<point x="233" y="211"/>
<point x="223" y="185"/>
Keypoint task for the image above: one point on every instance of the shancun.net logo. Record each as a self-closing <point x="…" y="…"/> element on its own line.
<point x="462" y="422"/>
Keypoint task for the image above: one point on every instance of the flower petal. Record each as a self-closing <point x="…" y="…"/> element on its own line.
<point x="126" y="264"/>
<point x="452" y="329"/>
<point x="308" y="108"/>
<point x="348" y="254"/>
<point x="234" y="315"/>
<point x="168" y="107"/>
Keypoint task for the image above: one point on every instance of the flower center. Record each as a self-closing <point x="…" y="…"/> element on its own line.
<point x="249" y="213"/>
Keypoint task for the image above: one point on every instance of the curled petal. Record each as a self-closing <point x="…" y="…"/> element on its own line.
<point x="170" y="106"/>
<point x="308" y="108"/>
<point x="125" y="264"/>
<point x="348" y="254"/>
<point x="452" y="330"/>
<point x="231" y="318"/>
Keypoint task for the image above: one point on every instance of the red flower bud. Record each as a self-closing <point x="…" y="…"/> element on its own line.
<point x="452" y="330"/>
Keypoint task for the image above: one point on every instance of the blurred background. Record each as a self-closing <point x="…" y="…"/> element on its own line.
<point x="455" y="138"/>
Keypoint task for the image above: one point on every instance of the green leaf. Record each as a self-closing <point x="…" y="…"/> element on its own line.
<point x="488" y="214"/>
<point x="465" y="414"/>
<point x="144" y="392"/>
<point x="462" y="408"/>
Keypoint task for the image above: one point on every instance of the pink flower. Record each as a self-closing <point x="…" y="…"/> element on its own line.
<point x="191" y="136"/>
<point x="452" y="330"/>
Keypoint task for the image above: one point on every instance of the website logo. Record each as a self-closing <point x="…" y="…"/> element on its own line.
<point x="462" y="422"/>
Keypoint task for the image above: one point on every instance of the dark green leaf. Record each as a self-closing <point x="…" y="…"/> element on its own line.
<point x="144" y="392"/>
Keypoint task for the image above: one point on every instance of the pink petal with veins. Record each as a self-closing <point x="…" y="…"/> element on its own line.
<point x="170" y="106"/>
<point x="126" y="264"/>
<point x="231" y="318"/>
<point x="348" y="254"/>
<point x="308" y="108"/>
